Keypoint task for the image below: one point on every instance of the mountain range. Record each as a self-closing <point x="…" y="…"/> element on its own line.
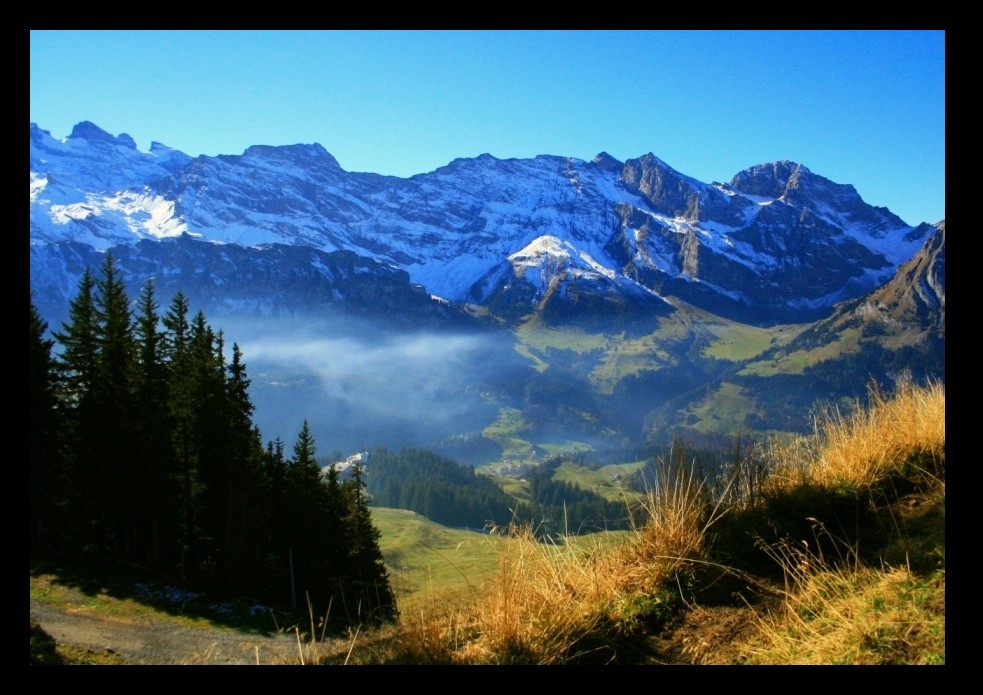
<point x="646" y="273"/>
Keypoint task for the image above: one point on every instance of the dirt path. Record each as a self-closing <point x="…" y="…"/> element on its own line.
<point x="152" y="641"/>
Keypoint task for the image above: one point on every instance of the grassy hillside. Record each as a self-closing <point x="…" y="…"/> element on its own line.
<point x="425" y="559"/>
<point x="694" y="375"/>
<point x="827" y="548"/>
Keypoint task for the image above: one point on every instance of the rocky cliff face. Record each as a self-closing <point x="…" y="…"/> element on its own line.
<point x="915" y="297"/>
<point x="906" y="312"/>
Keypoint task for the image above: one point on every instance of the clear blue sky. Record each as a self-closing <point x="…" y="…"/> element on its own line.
<point x="859" y="107"/>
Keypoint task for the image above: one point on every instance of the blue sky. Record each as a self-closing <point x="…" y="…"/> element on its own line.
<point x="859" y="107"/>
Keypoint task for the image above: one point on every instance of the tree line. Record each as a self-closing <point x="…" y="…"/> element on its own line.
<point x="444" y="491"/>
<point x="561" y="508"/>
<point x="439" y="488"/>
<point x="143" y="451"/>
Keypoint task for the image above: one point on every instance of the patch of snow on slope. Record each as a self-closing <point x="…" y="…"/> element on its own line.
<point x="38" y="182"/>
<point x="552" y="250"/>
<point x="533" y="253"/>
<point x="596" y="267"/>
<point x="714" y="236"/>
<point x="145" y="214"/>
<point x="63" y="214"/>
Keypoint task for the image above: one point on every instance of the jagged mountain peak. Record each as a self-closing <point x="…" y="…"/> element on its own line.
<point x="652" y="176"/>
<point x="838" y="203"/>
<point x="37" y="133"/>
<point x="677" y="195"/>
<point x="786" y="179"/>
<point x="313" y="154"/>
<point x="87" y="130"/>
<point x="606" y="162"/>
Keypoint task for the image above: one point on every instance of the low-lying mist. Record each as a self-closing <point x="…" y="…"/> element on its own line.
<point x="359" y="387"/>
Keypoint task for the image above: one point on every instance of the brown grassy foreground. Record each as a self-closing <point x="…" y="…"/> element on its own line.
<point x="824" y="549"/>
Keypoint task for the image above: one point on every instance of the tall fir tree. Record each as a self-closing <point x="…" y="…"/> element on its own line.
<point x="48" y="481"/>
<point x="181" y="414"/>
<point x="156" y="488"/>
<point x="115" y="466"/>
<point x="77" y="374"/>
<point x="245" y="534"/>
<point x="308" y="516"/>
<point x="367" y="576"/>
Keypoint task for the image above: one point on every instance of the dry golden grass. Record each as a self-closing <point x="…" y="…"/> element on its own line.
<point x="578" y="594"/>
<point x="678" y="511"/>
<point x="864" y="616"/>
<point x="548" y="596"/>
<point x="836" y="609"/>
<point x="859" y="448"/>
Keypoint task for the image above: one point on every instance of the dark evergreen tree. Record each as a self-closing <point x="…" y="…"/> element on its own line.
<point x="277" y="557"/>
<point x="77" y="373"/>
<point x="181" y="414"/>
<point x="77" y="366"/>
<point x="211" y="448"/>
<point x="368" y="579"/>
<point x="305" y="513"/>
<point x="156" y="489"/>
<point x="316" y="534"/>
<point x="48" y="482"/>
<point x="247" y="519"/>
<point x="114" y="468"/>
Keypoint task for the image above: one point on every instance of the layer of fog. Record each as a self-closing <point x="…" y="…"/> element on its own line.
<point x="359" y="388"/>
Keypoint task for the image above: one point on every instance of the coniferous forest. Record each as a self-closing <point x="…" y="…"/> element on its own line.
<point x="444" y="491"/>
<point x="143" y="451"/>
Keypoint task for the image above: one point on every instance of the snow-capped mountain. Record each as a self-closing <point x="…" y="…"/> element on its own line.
<point x="548" y="234"/>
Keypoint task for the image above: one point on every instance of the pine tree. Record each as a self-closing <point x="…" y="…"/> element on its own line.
<point x="210" y="438"/>
<point x="247" y="518"/>
<point x="181" y="413"/>
<point x="114" y="470"/>
<point x="156" y="488"/>
<point x="309" y="521"/>
<point x="48" y="484"/>
<point x="367" y="575"/>
<point x="77" y="373"/>
<point x="77" y="366"/>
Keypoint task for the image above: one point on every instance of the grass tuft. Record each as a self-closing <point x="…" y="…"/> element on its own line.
<point x="898" y="435"/>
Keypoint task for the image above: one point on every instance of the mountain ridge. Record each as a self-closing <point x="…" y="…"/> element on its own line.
<point x="736" y="248"/>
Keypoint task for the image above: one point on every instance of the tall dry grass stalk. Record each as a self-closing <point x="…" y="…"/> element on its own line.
<point x="858" y="448"/>
<point x="678" y="511"/>
<point x="547" y="597"/>
<point x="836" y="609"/>
<point x="553" y="601"/>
